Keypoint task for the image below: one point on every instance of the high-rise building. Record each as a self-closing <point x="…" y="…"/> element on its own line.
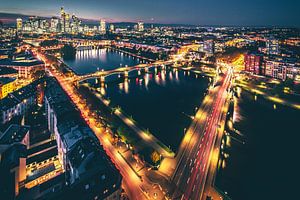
<point x="75" y="25"/>
<point x="67" y="23"/>
<point x="62" y="19"/>
<point x="281" y="68"/>
<point x="272" y="46"/>
<point x="19" y="24"/>
<point x="111" y="28"/>
<point x="54" y="24"/>
<point x="140" y="26"/>
<point x="102" y="27"/>
<point x="254" y="63"/>
<point x="209" y="46"/>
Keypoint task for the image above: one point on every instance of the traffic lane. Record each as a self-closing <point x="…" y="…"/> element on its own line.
<point x="207" y="149"/>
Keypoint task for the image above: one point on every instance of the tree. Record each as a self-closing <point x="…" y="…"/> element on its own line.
<point x="68" y="52"/>
<point x="289" y="83"/>
<point x="47" y="43"/>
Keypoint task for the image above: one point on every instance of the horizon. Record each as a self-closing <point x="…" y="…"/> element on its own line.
<point x="12" y="20"/>
<point x="252" y="14"/>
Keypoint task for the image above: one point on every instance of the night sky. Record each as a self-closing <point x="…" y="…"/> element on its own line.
<point x="198" y="12"/>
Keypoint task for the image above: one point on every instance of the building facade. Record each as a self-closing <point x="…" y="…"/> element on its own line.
<point x="18" y="102"/>
<point x="25" y="68"/>
<point x="7" y="85"/>
<point x="272" y="46"/>
<point x="282" y="69"/>
<point x="89" y="171"/>
<point x="254" y="64"/>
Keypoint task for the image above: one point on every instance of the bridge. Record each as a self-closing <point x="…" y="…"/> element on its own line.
<point x="121" y="72"/>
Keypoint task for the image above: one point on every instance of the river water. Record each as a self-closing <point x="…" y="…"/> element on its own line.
<point x="162" y="102"/>
<point x="89" y="61"/>
<point x="266" y="166"/>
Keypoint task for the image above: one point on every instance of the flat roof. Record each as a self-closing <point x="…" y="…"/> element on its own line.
<point x="14" y="133"/>
<point x="6" y="80"/>
<point x="20" y="63"/>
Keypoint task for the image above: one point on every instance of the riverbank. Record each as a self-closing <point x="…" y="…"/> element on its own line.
<point x="254" y="163"/>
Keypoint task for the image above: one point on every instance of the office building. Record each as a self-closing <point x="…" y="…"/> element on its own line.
<point x="25" y="67"/>
<point x="254" y="63"/>
<point x="7" y="85"/>
<point x="282" y="68"/>
<point x="19" y="24"/>
<point x="54" y="24"/>
<point x="140" y="26"/>
<point x="102" y="27"/>
<point x="209" y="47"/>
<point x="62" y="20"/>
<point x="111" y="28"/>
<point x="272" y="46"/>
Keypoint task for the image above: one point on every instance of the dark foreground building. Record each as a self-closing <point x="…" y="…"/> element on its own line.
<point x="89" y="172"/>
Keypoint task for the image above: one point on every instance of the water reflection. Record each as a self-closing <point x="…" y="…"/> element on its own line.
<point x="158" y="100"/>
<point x="91" y="60"/>
<point x="269" y="133"/>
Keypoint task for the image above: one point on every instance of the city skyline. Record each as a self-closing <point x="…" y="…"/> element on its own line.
<point x="233" y="13"/>
<point x="149" y="100"/>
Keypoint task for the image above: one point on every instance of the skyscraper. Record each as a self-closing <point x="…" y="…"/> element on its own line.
<point x="67" y="23"/>
<point x="140" y="26"/>
<point x="75" y="25"/>
<point x="209" y="46"/>
<point x="54" y="24"/>
<point x="272" y="46"/>
<point x="19" y="24"/>
<point x="62" y="19"/>
<point x="102" y="27"/>
<point x="111" y="28"/>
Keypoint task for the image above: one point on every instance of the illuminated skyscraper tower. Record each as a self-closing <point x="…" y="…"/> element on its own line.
<point x="67" y="23"/>
<point x="111" y="28"/>
<point x="19" y="24"/>
<point x="102" y="27"/>
<point x="54" y="24"/>
<point x="272" y="46"/>
<point x="62" y="19"/>
<point x="140" y="26"/>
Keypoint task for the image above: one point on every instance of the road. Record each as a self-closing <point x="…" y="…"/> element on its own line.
<point x="192" y="166"/>
<point x="187" y="173"/>
<point x="132" y="184"/>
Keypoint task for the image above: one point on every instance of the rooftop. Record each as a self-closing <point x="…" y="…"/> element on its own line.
<point x="20" y="63"/>
<point x="7" y="70"/>
<point x="6" y="80"/>
<point x="84" y="152"/>
<point x="14" y="133"/>
<point x="18" y="96"/>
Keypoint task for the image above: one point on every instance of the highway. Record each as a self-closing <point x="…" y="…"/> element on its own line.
<point x="196" y="150"/>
